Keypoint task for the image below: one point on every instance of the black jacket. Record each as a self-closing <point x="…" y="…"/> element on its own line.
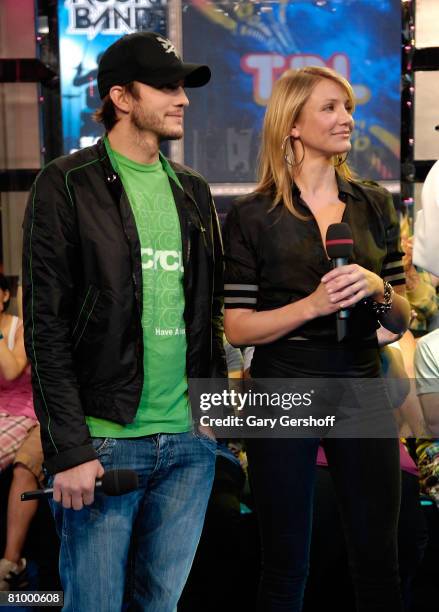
<point x="82" y="290"/>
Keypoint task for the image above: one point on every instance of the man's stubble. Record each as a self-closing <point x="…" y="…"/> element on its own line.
<point x="143" y="122"/>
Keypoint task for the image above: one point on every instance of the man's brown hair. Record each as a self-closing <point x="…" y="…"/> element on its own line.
<point x="107" y="114"/>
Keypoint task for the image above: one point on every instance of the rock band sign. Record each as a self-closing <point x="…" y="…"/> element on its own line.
<point x="92" y="17"/>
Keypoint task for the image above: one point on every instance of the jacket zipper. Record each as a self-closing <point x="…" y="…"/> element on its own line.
<point x="133" y="276"/>
<point x="203" y="233"/>
<point x="200" y="218"/>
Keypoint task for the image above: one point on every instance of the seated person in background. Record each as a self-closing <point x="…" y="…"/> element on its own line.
<point x="409" y="414"/>
<point x="427" y="382"/>
<point x="433" y="321"/>
<point x="235" y="362"/>
<point x="20" y="443"/>
<point x="329" y="581"/>
<point x="421" y="289"/>
<point x="222" y="532"/>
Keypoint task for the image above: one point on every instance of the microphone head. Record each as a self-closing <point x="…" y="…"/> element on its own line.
<point x="339" y="242"/>
<point x="118" y="482"/>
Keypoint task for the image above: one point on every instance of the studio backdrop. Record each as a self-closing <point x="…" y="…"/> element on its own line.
<point x="247" y="45"/>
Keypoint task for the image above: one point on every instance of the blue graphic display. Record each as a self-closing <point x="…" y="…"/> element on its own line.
<point x="249" y="44"/>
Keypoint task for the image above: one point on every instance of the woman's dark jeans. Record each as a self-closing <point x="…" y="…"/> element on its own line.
<point x="366" y="477"/>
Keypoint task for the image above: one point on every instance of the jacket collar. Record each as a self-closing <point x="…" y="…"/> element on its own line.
<point x="111" y="165"/>
<point x="344" y="186"/>
<point x="110" y="172"/>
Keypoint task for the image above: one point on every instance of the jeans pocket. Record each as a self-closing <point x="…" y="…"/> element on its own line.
<point x="103" y="445"/>
<point x="205" y="440"/>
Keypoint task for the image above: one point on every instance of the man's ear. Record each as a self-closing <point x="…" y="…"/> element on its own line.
<point x="120" y="98"/>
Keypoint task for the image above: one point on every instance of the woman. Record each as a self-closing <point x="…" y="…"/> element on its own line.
<point x="20" y="443"/>
<point x="282" y="295"/>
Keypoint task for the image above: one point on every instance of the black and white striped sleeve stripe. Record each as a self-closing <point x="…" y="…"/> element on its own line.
<point x="240" y="295"/>
<point x="393" y="270"/>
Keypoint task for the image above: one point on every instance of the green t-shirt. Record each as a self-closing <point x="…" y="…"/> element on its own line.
<point x="164" y="404"/>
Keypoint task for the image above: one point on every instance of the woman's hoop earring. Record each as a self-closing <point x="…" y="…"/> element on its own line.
<point x="289" y="155"/>
<point x="340" y="160"/>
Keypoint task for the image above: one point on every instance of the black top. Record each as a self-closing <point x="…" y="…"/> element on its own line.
<point x="274" y="258"/>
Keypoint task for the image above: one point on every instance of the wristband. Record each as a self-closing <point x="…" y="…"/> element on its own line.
<point x="381" y="308"/>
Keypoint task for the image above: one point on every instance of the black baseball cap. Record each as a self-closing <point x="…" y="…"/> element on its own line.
<point x="147" y="57"/>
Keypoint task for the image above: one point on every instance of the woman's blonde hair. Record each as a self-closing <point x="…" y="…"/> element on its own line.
<point x="290" y="93"/>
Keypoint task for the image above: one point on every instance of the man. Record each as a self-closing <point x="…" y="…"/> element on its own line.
<point x="122" y="284"/>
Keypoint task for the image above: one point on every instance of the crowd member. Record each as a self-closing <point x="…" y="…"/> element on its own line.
<point x="433" y="321"/>
<point x="427" y="382"/>
<point x="421" y="292"/>
<point x="20" y="444"/>
<point x="218" y="558"/>
<point x="123" y="274"/>
<point x="234" y="360"/>
<point x="427" y="378"/>
<point x="329" y="581"/>
<point x="409" y="415"/>
<point x="427" y="225"/>
<point x="282" y="296"/>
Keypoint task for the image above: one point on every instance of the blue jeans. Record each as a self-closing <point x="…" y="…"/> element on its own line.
<point x="160" y="524"/>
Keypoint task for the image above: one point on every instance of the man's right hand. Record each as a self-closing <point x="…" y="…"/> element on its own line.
<point x="74" y="488"/>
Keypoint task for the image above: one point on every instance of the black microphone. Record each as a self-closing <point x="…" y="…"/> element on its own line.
<point x="113" y="482"/>
<point x="339" y="246"/>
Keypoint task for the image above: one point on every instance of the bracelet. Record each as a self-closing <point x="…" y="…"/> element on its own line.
<point x="381" y="308"/>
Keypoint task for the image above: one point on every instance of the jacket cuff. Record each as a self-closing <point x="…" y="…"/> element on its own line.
<point x="68" y="459"/>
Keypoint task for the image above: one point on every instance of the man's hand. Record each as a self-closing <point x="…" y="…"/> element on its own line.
<point x="75" y="487"/>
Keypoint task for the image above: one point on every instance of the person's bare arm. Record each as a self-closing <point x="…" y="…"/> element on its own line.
<point x="244" y="326"/>
<point x="12" y="363"/>
<point x="386" y="337"/>
<point x="430" y="407"/>
<point x="411" y="410"/>
<point x="341" y="288"/>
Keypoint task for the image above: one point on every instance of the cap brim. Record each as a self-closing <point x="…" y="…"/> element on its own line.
<point x="195" y="75"/>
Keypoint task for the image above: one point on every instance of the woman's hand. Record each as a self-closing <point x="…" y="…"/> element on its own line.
<point x="321" y="302"/>
<point x="347" y="285"/>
